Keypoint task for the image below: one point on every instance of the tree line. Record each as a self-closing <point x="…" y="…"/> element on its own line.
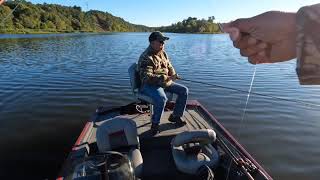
<point x="36" y="18"/>
<point x="193" y="25"/>
<point x="58" y="18"/>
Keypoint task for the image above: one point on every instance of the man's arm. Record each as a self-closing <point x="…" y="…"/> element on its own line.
<point x="171" y="70"/>
<point x="308" y="44"/>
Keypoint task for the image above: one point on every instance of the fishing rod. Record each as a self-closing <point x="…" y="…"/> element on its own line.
<point x="255" y="93"/>
<point x="237" y="157"/>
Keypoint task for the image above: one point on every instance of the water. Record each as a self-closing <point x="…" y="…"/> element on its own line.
<point x="51" y="84"/>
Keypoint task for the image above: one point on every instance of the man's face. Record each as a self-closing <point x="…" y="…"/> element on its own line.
<point x="157" y="45"/>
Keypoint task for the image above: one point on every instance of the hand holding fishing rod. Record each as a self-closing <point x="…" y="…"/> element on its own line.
<point x="175" y="77"/>
<point x="265" y="38"/>
<point x="276" y="36"/>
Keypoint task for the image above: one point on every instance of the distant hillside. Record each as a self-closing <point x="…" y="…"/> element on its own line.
<point x="39" y="18"/>
<point x="193" y="25"/>
<point x="33" y="18"/>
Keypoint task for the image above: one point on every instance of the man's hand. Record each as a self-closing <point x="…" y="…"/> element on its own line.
<point x="164" y="78"/>
<point x="266" y="38"/>
<point x="174" y="77"/>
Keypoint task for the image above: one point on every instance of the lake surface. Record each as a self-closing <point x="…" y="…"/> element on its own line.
<point x="51" y="84"/>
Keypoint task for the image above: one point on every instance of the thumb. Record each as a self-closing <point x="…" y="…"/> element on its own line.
<point x="238" y="27"/>
<point x="233" y="32"/>
<point x="244" y="25"/>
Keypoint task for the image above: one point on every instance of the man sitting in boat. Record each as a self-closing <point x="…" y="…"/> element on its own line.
<point x="157" y="75"/>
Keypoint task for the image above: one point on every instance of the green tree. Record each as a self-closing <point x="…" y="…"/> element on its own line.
<point x="52" y="17"/>
<point x="50" y="25"/>
<point x="193" y="25"/>
<point x="6" y="18"/>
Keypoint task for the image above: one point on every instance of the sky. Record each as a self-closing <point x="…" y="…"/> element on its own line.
<point x="165" y="12"/>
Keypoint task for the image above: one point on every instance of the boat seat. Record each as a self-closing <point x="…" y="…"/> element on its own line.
<point x="121" y="133"/>
<point x="188" y="161"/>
<point x="136" y="83"/>
<point x="135" y="86"/>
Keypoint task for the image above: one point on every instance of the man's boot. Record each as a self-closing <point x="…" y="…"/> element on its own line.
<point x="154" y="128"/>
<point x="177" y="120"/>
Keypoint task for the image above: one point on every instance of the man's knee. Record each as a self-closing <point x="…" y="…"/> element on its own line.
<point x="185" y="91"/>
<point x="162" y="100"/>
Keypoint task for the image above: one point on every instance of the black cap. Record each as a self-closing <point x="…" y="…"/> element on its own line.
<point x="157" y="35"/>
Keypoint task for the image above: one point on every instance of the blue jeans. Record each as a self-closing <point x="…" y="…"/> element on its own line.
<point x="159" y="97"/>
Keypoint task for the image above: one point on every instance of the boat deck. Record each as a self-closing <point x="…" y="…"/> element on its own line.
<point x="156" y="152"/>
<point x="192" y="117"/>
<point x="158" y="162"/>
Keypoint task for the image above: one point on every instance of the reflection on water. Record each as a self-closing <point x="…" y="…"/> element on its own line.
<point x="51" y="84"/>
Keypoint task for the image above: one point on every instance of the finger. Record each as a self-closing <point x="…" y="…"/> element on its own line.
<point x="244" y="42"/>
<point x="248" y="52"/>
<point x="259" y="58"/>
<point x="254" y="49"/>
<point x="243" y="24"/>
<point x="234" y="33"/>
<point x="225" y="25"/>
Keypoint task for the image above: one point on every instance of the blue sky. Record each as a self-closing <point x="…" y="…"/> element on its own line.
<point x="166" y="12"/>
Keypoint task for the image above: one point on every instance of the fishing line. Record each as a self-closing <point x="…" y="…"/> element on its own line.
<point x="248" y="96"/>
<point x="244" y="112"/>
<point x="255" y="93"/>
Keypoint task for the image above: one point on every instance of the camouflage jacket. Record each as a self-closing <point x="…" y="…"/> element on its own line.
<point x="155" y="68"/>
<point x="308" y="44"/>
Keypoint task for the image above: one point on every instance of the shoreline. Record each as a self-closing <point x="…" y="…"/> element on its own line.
<point x="32" y="31"/>
<point x="67" y="32"/>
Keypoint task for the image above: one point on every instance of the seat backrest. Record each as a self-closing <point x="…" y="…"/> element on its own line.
<point x="191" y="162"/>
<point x="116" y="133"/>
<point x="202" y="136"/>
<point x="134" y="78"/>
